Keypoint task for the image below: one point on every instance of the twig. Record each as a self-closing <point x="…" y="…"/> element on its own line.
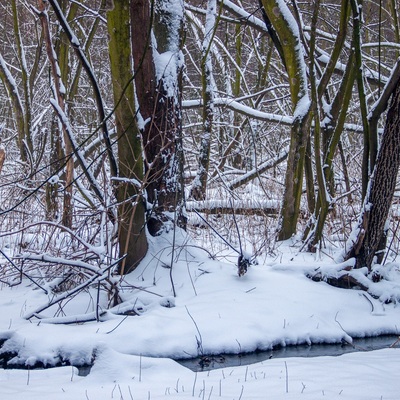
<point x="120" y="322"/>
<point x="194" y="383"/>
<point x="173" y="250"/>
<point x="336" y="320"/>
<point x="97" y="302"/>
<point x="370" y="302"/>
<point x="395" y="343"/>
<point x="237" y="227"/>
<point x="215" y="231"/>
<point x="209" y="396"/>
<point x="22" y="272"/>
<point x="140" y="367"/>
<point x="287" y="378"/>
<point x="130" y="393"/>
<point x="67" y="294"/>
<point x="200" y="340"/>
<point x="241" y="393"/>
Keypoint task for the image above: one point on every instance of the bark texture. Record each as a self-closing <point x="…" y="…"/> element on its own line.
<point x="381" y="189"/>
<point x="287" y="39"/>
<point x="156" y="32"/>
<point x="131" y="208"/>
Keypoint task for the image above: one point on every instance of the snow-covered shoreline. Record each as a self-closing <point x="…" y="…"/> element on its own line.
<point x="215" y="311"/>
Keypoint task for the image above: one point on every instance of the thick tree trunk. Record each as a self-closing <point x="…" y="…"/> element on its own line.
<point x="371" y="227"/>
<point x="158" y="60"/>
<point x="131" y="208"/>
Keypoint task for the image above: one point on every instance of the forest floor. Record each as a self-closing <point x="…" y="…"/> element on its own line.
<point x="214" y="311"/>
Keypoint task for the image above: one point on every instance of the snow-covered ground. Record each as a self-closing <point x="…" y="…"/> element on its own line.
<point x="214" y="311"/>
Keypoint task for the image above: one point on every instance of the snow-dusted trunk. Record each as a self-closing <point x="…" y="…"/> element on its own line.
<point x="59" y="94"/>
<point x="17" y="106"/>
<point x="167" y="52"/>
<point x="56" y="153"/>
<point x="370" y="142"/>
<point x="131" y="203"/>
<point x="288" y="42"/>
<point x="157" y="51"/>
<point x="331" y="128"/>
<point x="329" y="118"/>
<point x="199" y="185"/>
<point x="27" y="146"/>
<point x="367" y="237"/>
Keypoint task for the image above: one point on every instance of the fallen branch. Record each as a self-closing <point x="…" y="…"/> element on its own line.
<point x="249" y="207"/>
<point x="73" y="319"/>
<point x="57" y="299"/>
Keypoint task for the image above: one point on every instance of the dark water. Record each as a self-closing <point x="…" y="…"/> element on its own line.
<point x="206" y="363"/>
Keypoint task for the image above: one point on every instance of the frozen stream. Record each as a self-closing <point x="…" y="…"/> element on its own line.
<point x="206" y="363"/>
<point x="316" y="350"/>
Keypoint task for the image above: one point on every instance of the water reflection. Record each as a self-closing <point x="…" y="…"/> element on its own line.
<point x="207" y="363"/>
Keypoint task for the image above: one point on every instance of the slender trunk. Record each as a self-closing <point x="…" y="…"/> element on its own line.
<point x="16" y="103"/>
<point x="59" y="93"/>
<point x="199" y="185"/>
<point x="57" y="153"/>
<point x="370" y="141"/>
<point x="25" y="81"/>
<point x="331" y="132"/>
<point x="286" y="36"/>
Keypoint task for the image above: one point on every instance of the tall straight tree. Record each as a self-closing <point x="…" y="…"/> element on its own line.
<point x="131" y="207"/>
<point x="285" y="33"/>
<point x="199" y="185"/>
<point x="58" y="88"/>
<point x="157" y="40"/>
<point x="366" y="242"/>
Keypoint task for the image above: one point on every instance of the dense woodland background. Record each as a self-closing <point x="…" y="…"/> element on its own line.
<point x="264" y="121"/>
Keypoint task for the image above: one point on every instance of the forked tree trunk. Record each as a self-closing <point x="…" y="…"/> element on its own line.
<point x="331" y="133"/>
<point x="286" y="36"/>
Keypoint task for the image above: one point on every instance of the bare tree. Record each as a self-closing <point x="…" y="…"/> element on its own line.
<point x="368" y="238"/>
<point x="130" y="192"/>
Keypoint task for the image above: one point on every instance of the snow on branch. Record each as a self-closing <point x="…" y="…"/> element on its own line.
<point x="242" y="109"/>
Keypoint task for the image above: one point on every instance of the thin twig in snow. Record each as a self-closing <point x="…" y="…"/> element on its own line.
<point x="287" y="378"/>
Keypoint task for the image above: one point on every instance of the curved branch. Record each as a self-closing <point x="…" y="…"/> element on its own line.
<point x="93" y="81"/>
